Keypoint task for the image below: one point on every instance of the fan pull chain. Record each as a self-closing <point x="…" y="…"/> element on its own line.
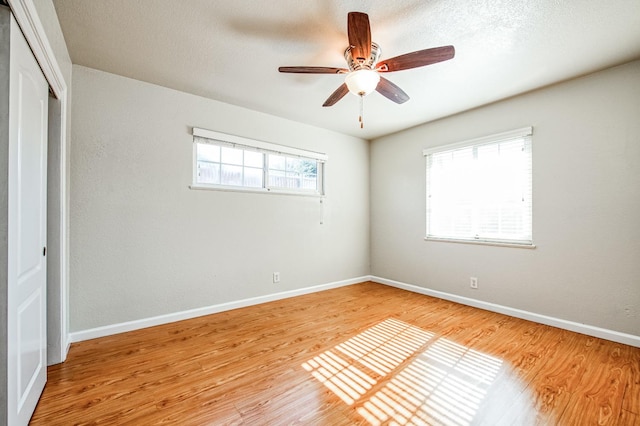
<point x="361" y="117"/>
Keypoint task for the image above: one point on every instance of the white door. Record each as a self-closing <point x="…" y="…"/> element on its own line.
<point x="27" y="266"/>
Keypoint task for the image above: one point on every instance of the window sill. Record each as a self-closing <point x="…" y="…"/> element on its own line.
<point x="483" y="243"/>
<point x="255" y="190"/>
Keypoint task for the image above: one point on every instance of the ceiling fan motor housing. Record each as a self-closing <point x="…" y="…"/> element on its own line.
<point x="356" y="64"/>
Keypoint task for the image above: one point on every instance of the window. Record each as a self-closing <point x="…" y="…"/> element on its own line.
<point x="480" y="190"/>
<point x="230" y="162"/>
<point x="288" y="172"/>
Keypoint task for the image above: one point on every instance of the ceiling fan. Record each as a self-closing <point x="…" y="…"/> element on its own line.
<point x="363" y="72"/>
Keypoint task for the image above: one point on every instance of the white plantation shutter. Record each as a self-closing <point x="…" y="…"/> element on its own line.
<point x="481" y="190"/>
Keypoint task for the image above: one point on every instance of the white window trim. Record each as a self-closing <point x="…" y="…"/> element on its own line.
<point x="495" y="138"/>
<point x="481" y="242"/>
<point x="517" y="133"/>
<point x="252" y="144"/>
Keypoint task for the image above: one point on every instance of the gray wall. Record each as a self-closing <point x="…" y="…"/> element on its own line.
<point x="144" y="244"/>
<point x="586" y="205"/>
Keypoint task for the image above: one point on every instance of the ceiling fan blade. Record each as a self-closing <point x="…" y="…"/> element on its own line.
<point x="417" y="59"/>
<point x="391" y="91"/>
<point x="314" y="70"/>
<point x="359" y="33"/>
<point x="337" y="95"/>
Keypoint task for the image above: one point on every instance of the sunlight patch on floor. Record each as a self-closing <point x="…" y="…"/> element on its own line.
<point x="352" y="368"/>
<point x="444" y="383"/>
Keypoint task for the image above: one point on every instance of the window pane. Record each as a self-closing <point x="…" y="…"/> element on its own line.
<point x="253" y="177"/>
<point x="309" y="167"/>
<point x="293" y="164"/>
<point x="277" y="179"/>
<point x="208" y="172"/>
<point x="253" y="159"/>
<point x="207" y="152"/>
<point x="301" y="173"/>
<point x="276" y="162"/>
<point x="231" y="175"/>
<point x="309" y="182"/>
<point x="231" y="155"/>
<point x="293" y="180"/>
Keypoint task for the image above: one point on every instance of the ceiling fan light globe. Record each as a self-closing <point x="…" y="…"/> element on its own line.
<point x="362" y="82"/>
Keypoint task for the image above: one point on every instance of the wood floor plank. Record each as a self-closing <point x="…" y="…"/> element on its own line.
<point x="629" y="418"/>
<point x="362" y="354"/>
<point x="610" y="368"/>
<point x="631" y="402"/>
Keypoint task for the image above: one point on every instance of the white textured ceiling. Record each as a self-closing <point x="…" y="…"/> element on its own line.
<point x="230" y="50"/>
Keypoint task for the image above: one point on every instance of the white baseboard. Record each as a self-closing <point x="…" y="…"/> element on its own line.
<point x="123" y="327"/>
<point x="603" y="333"/>
<point x="615" y="336"/>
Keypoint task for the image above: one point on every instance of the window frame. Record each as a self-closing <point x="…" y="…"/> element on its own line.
<point x="526" y="133"/>
<point x="203" y="136"/>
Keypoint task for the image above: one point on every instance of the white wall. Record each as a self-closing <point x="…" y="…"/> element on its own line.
<point x="144" y="244"/>
<point x="586" y="205"/>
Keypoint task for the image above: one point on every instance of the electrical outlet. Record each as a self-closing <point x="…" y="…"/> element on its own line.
<point x="276" y="277"/>
<point x="473" y="282"/>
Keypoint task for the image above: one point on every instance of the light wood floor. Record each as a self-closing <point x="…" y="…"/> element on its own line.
<point x="363" y="354"/>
